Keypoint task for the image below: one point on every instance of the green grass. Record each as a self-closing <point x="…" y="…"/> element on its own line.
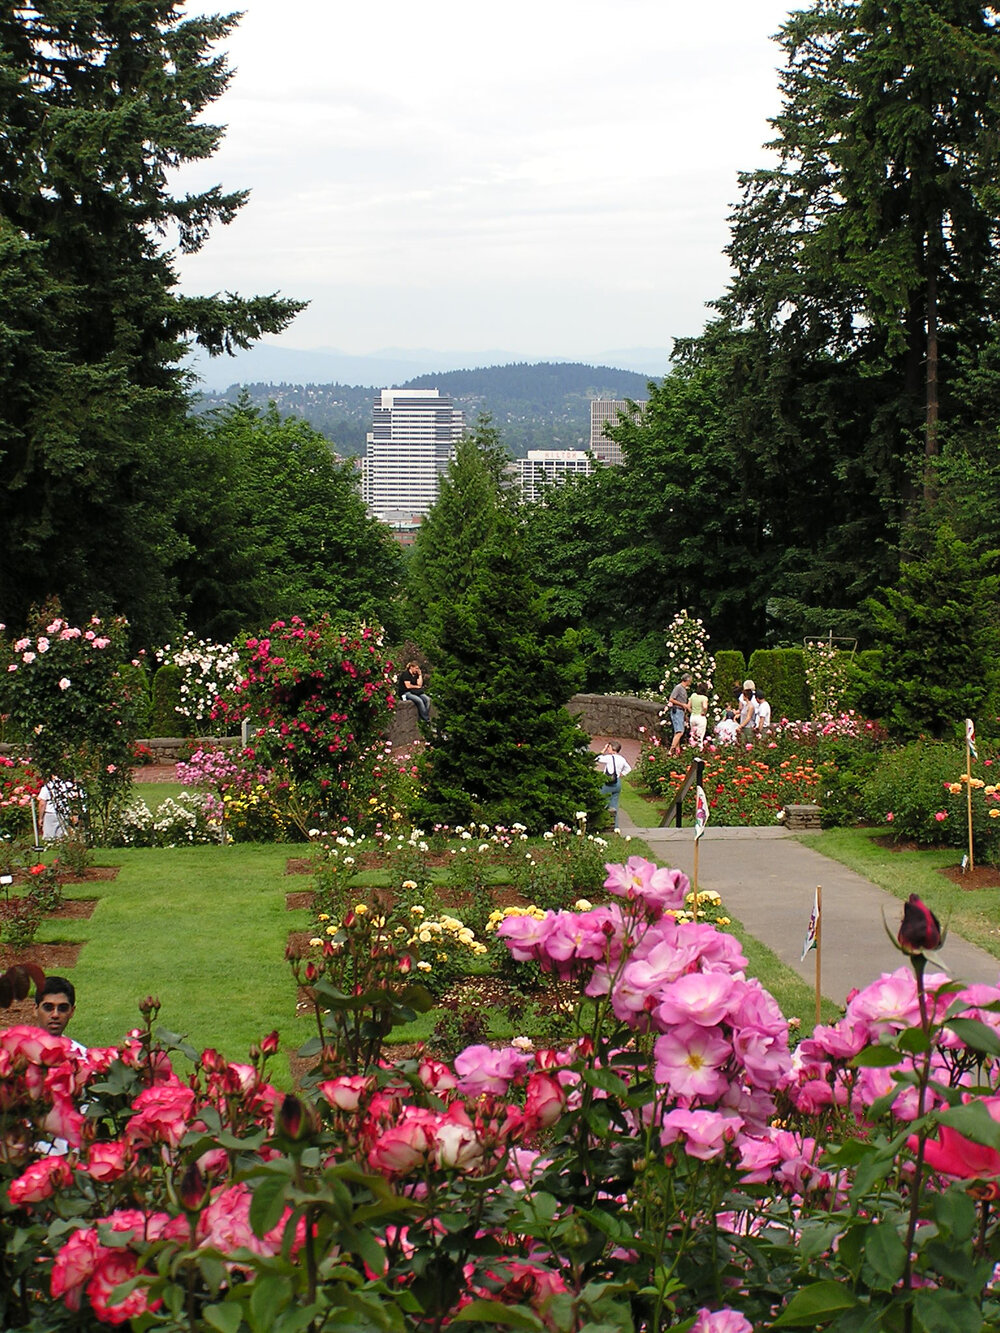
<point x="202" y="928"/>
<point x="973" y="914"/>
<point x="642" y="811"/>
<point x="155" y="793"/>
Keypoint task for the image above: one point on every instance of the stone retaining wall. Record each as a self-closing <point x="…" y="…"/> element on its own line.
<point x="599" y="714"/>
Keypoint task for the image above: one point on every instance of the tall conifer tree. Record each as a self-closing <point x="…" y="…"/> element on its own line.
<point x="100" y="100"/>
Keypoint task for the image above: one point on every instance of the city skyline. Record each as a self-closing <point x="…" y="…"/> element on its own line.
<point x="553" y="181"/>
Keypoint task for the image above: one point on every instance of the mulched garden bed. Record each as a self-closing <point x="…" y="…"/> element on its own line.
<point x="49" y="957"/>
<point x="75" y="909"/>
<point x="92" y="875"/>
<point x="981" y="877"/>
<point x="155" y="773"/>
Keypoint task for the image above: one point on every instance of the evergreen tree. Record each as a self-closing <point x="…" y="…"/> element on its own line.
<point x="505" y="748"/>
<point x="459" y="524"/>
<point x="99" y="102"/>
<point x="276" y="527"/>
<point x="939" y="632"/>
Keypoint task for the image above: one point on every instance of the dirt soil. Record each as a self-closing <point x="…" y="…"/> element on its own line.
<point x="981" y="877"/>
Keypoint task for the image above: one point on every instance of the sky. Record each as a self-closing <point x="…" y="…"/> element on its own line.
<point x="546" y="178"/>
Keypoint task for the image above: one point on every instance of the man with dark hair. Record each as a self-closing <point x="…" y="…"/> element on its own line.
<point x="679" y="709"/>
<point x="55" y="1005"/>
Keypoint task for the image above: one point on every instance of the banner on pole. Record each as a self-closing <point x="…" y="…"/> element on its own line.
<point x="812" y="930"/>
<point x="700" y="813"/>
<point x="970" y="737"/>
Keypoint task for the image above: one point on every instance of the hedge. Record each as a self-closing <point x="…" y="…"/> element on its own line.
<point x="164" y="720"/>
<point x="781" y="674"/>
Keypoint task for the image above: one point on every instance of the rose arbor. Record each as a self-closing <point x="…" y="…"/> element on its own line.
<point x="674" y="1166"/>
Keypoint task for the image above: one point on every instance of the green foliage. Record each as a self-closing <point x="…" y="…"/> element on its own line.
<point x="908" y="787"/>
<point x="781" y="674"/>
<point x="460" y="523"/>
<point x="730" y="673"/>
<point x="940" y="639"/>
<point x="101" y="104"/>
<point x="275" y="526"/>
<point x="505" y="748"/>
<point x="164" y="709"/>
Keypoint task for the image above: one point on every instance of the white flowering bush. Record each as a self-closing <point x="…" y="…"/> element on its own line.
<point x="207" y="670"/>
<point x="686" y="649"/>
<point x="180" y="822"/>
<point x="826" y="677"/>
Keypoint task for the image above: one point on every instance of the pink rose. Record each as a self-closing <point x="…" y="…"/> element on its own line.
<point x="545" y="1100"/>
<point x="106" y="1161"/>
<point x="40" y="1181"/>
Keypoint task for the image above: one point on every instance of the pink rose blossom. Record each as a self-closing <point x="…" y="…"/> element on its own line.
<point x="721" y="1321"/>
<point x="64" y="683"/>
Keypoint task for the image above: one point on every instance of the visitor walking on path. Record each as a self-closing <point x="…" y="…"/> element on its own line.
<point x="615" y="766"/>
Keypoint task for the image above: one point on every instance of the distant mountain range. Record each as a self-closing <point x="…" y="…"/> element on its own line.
<point x="268" y="363"/>
<point x="545" y="405"/>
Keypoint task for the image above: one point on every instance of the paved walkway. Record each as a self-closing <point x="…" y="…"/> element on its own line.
<point x="767" y="879"/>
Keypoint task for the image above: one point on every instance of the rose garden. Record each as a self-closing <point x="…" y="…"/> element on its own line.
<point x="416" y="1071"/>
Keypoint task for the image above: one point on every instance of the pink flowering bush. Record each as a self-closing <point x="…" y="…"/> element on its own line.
<point x="316" y="697"/>
<point x="672" y="1165"/>
<point x="75" y="711"/>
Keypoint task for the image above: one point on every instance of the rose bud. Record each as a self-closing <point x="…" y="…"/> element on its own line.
<point x="191" y="1190"/>
<point x="269" y="1044"/>
<point x="149" y="1007"/>
<point x="920" y="928"/>
<point x="296" y="1119"/>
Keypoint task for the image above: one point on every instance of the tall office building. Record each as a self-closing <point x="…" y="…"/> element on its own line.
<point x="412" y="440"/>
<point x="604" y="412"/>
<point x="550" y="467"/>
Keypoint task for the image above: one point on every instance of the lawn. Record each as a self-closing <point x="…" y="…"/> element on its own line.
<point x="975" y="915"/>
<point x="202" y="928"/>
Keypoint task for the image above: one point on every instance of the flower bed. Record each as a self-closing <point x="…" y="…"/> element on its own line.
<point x="673" y="1163"/>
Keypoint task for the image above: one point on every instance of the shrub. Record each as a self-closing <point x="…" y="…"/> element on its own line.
<point x="781" y="674"/>
<point x="206" y="671"/>
<point x="318" y="696"/>
<point x="164" y="709"/>
<point x="686" y="649"/>
<point x="730" y="673"/>
<point x="75" y="711"/>
<point x="906" y="790"/>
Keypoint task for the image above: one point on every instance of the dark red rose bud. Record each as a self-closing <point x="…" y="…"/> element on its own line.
<point x="191" y="1190"/>
<point x="269" y="1044"/>
<point x="920" y="929"/>
<point x="296" y="1119"/>
<point x="149" y="1007"/>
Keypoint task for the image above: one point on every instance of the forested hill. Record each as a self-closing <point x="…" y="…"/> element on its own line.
<point x="540" y="406"/>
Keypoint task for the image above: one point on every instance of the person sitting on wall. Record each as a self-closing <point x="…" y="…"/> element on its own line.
<point x="411" y="689"/>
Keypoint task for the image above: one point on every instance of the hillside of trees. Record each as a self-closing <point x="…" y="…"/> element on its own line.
<point x="541" y="406"/>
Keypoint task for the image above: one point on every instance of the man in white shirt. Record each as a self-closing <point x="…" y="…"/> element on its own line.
<point x="763" y="722"/>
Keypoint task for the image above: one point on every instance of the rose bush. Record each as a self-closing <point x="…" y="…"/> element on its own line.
<point x="75" y="712"/>
<point x="317" y="697"/>
<point x="673" y="1165"/>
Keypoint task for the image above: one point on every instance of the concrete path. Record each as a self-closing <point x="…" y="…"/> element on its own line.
<point x="767" y="879"/>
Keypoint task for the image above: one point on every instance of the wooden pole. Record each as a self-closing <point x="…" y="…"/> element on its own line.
<point x="696" y="898"/>
<point x="34" y="822"/>
<point x="968" y="795"/>
<point x="819" y="947"/>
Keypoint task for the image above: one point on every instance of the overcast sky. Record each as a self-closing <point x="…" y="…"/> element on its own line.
<point x="547" y="177"/>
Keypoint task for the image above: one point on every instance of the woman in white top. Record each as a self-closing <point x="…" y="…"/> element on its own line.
<point x="615" y="767"/>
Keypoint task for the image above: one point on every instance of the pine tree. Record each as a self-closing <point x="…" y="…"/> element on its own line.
<point x="506" y="749"/>
<point x="939" y="633"/>
<point x="459" y="524"/>
<point x="99" y="103"/>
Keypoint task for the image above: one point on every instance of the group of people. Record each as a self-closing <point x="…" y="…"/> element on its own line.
<point x="747" y="719"/>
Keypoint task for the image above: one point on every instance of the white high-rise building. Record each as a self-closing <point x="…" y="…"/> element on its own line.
<point x="550" y="467"/>
<point x="411" y="442"/>
<point x="605" y="412"/>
